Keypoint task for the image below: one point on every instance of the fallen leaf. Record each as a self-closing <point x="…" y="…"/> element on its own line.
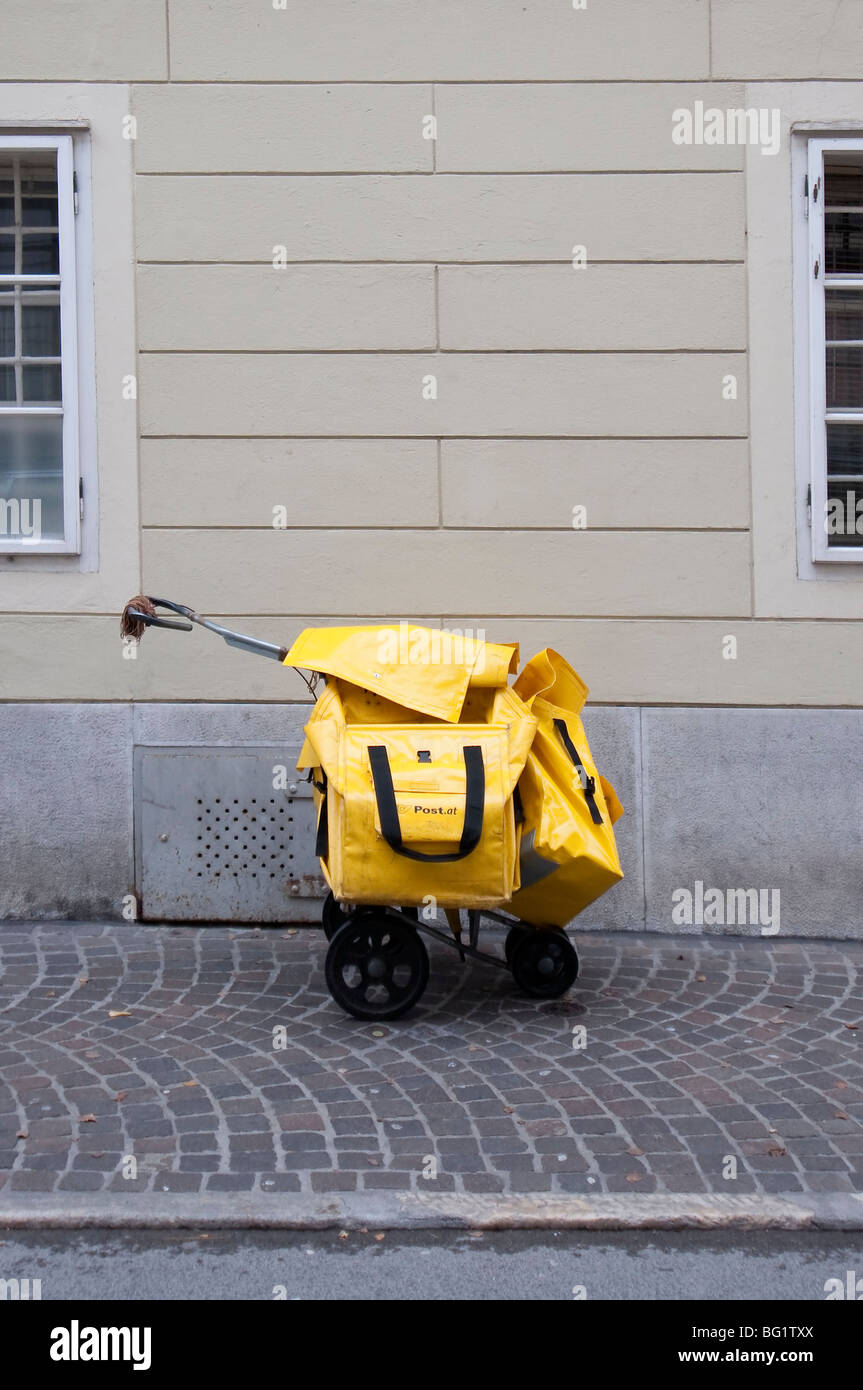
<point x="190" y="1083"/>
<point x="381" y="1235"/>
<point x="23" y="1134"/>
<point x="86" y="1119"/>
<point x="364" y="1230"/>
<point x="121" y="1095"/>
<point x="343" y="1235"/>
<point x="841" y="1086"/>
<point x="840" y="1115"/>
<point x="852" y="1027"/>
<point x="633" y="1177"/>
<point x="473" y="1048"/>
<point x="119" y="1013"/>
<point x="701" y="977"/>
<point x="375" y="1162"/>
<point x="773" y="1131"/>
<point x="507" y="1110"/>
<point x="776" y="1151"/>
<point x="83" y="980"/>
<point x="636" y="1153"/>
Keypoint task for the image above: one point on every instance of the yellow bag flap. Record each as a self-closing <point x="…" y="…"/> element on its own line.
<point x="308" y="757"/>
<point x="615" y="810"/>
<point x="424" y="669"/>
<point x="549" y="675"/>
<point x="495" y="661"/>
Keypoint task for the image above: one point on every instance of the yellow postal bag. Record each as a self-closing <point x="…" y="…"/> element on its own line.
<point x="411" y="807"/>
<point x="568" y="854"/>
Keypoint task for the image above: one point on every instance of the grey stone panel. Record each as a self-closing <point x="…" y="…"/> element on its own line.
<point x="756" y="798"/>
<point x="65" y="810"/>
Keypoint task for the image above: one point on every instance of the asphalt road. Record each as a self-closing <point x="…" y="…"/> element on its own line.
<point x="513" y="1265"/>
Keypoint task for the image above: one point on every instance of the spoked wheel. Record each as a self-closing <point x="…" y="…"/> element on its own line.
<point x="544" y="963"/>
<point x="376" y="968"/>
<point x="513" y="935"/>
<point x="332" y="916"/>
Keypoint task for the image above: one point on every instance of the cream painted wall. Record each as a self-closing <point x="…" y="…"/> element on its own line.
<point x="409" y="258"/>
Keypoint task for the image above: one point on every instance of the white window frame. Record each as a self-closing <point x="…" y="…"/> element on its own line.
<point x="819" y="414"/>
<point x="69" y="330"/>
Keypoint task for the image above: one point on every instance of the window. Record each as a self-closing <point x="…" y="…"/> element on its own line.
<point x="835" y="187"/>
<point x="39" y="465"/>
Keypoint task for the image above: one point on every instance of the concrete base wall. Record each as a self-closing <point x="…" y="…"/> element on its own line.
<point x="765" y="800"/>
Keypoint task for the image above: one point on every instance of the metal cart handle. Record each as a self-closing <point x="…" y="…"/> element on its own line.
<point x="233" y="639"/>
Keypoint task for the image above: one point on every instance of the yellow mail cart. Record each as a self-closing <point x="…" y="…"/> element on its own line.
<point x="442" y="790"/>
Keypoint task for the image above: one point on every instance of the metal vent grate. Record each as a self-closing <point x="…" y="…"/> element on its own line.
<point x="215" y="840"/>
<point x="256" y="839"/>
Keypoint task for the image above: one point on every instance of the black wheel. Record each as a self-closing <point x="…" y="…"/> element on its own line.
<point x="544" y="963"/>
<point x="332" y="917"/>
<point x="376" y="968"/>
<point x="513" y="935"/>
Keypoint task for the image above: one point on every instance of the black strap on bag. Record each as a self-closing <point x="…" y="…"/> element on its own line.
<point x="322" y="839"/>
<point x="588" y="783"/>
<point x="389" y="815"/>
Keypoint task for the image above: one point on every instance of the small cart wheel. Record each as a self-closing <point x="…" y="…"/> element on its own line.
<point x="332" y="916"/>
<point x="514" y="935"/>
<point x="544" y="963"/>
<point x="376" y="968"/>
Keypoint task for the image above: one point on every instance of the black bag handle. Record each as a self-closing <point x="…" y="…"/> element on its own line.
<point x="322" y="839"/>
<point x="588" y="783"/>
<point x="389" y="815"/>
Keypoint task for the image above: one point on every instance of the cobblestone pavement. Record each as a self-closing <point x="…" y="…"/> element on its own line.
<point x="157" y="1042"/>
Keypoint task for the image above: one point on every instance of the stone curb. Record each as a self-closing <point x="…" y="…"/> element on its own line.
<point x="410" y="1211"/>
